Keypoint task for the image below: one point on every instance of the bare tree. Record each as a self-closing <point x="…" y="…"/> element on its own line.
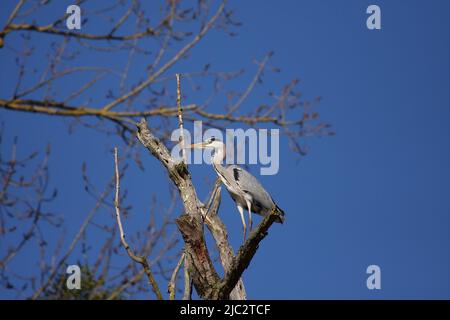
<point x="118" y="100"/>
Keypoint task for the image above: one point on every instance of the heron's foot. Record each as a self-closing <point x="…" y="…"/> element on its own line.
<point x="244" y="234"/>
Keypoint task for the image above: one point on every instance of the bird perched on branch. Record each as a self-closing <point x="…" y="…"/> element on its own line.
<point x="243" y="187"/>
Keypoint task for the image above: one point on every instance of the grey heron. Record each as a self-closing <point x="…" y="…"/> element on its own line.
<point x="244" y="188"/>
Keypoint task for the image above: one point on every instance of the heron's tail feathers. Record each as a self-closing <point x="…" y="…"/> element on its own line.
<point x="280" y="218"/>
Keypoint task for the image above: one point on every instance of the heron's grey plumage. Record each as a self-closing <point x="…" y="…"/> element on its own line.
<point x="243" y="187"/>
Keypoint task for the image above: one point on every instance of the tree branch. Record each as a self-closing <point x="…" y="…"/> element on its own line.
<point x="173" y="278"/>
<point x="180" y="119"/>
<point x="61" y="109"/>
<point x="139" y="259"/>
<point x="190" y="224"/>
<point x="169" y="63"/>
<point x="51" y="30"/>
<point x="252" y="84"/>
<point x="244" y="256"/>
<point x="187" y="282"/>
<point x="204" y="276"/>
<point x="220" y="235"/>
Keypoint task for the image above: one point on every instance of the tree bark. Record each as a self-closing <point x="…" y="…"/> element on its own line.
<point x="220" y="235"/>
<point x="205" y="279"/>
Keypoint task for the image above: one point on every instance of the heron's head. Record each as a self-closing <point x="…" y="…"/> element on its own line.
<point x="218" y="147"/>
<point x="211" y="143"/>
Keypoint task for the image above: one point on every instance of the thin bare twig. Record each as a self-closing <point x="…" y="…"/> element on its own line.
<point x="180" y="119"/>
<point x="173" y="279"/>
<point x="14" y="13"/>
<point x="169" y="63"/>
<point x="75" y="240"/>
<point x="251" y="85"/>
<point x="51" y="30"/>
<point x="187" y="281"/>
<point x="139" y="259"/>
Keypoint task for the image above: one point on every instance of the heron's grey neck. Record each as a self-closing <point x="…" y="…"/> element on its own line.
<point x="217" y="159"/>
<point x="219" y="155"/>
<point x="221" y="173"/>
<point x="219" y="168"/>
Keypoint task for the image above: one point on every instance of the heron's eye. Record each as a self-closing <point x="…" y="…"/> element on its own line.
<point x="211" y="139"/>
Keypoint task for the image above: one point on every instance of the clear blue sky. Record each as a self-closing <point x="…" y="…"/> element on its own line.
<point x="376" y="193"/>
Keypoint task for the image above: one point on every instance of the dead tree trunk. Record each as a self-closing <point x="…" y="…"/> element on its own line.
<point x="206" y="280"/>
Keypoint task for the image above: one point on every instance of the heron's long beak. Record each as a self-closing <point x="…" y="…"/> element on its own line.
<point x="200" y="145"/>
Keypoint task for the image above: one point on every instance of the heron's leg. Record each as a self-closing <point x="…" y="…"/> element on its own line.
<point x="244" y="226"/>
<point x="250" y="222"/>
